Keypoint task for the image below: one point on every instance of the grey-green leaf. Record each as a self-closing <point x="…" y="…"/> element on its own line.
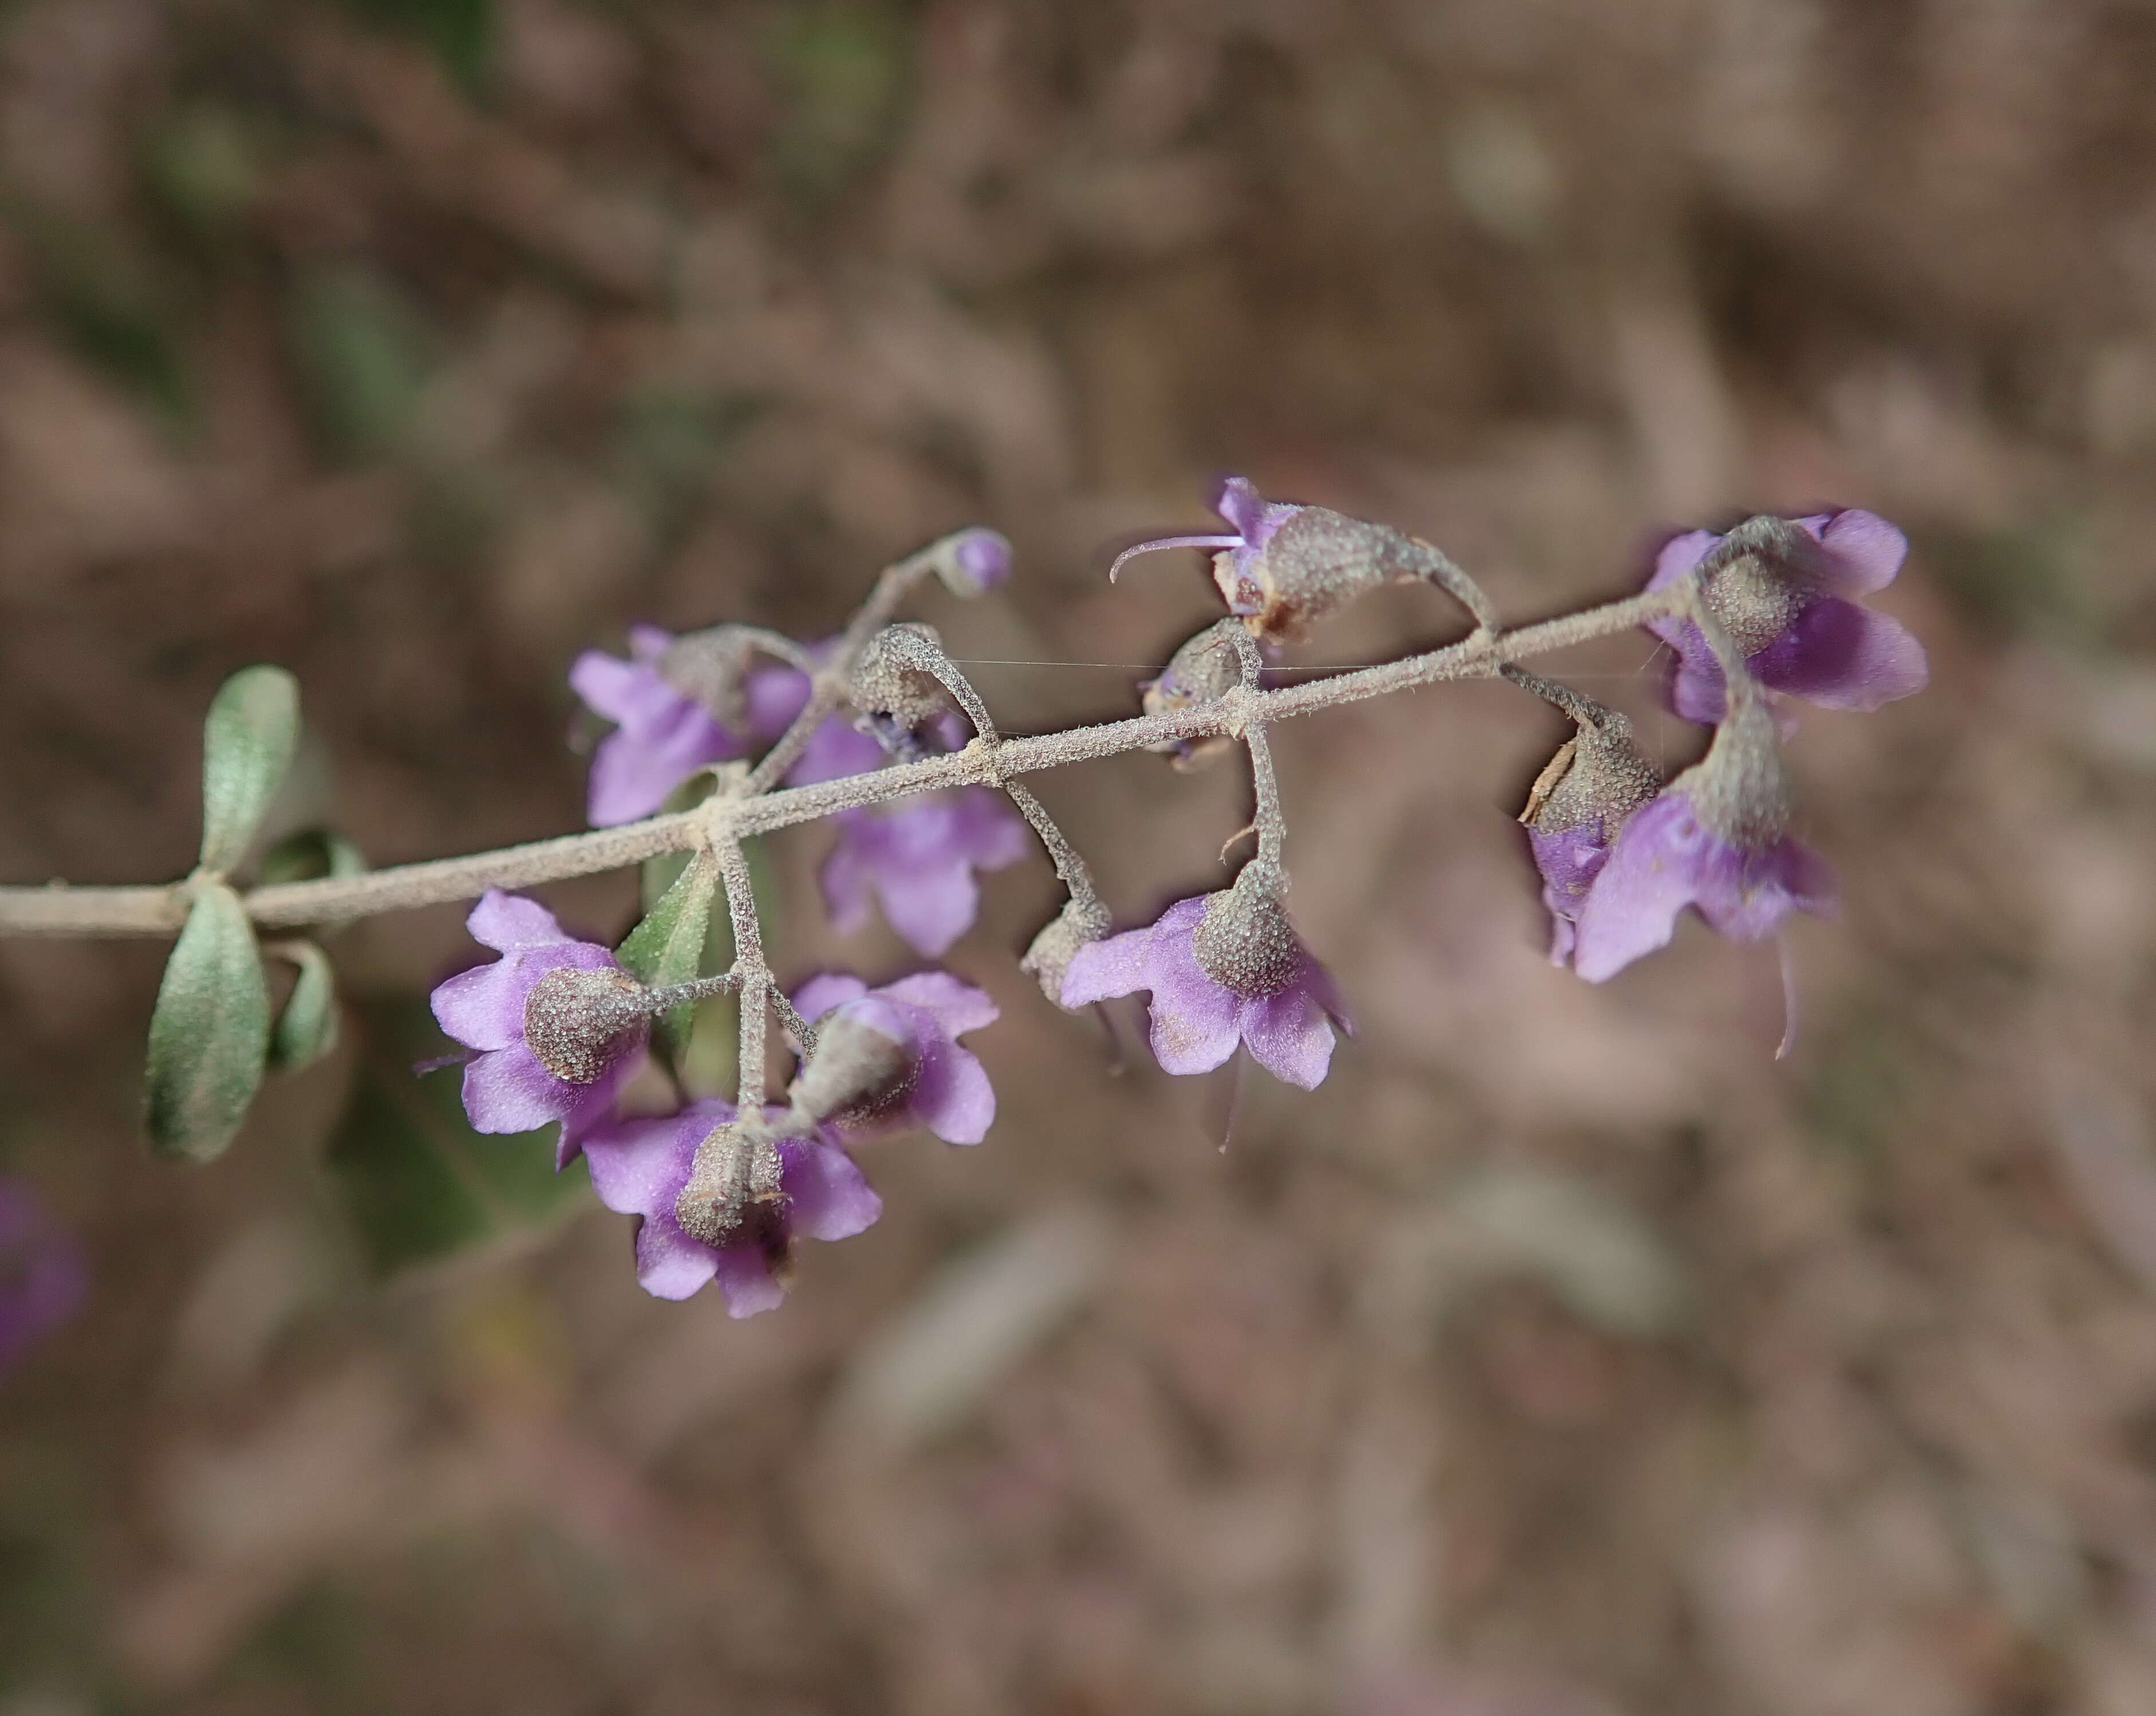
<point x="307" y="1029"/>
<point x="668" y="947"/>
<point x="210" y="1033"/>
<point x="247" y="740"/>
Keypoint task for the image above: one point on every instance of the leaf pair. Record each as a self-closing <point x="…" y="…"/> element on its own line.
<point x="210" y="1037"/>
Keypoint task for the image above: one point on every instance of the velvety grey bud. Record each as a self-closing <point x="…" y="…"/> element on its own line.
<point x="1599" y="775"/>
<point x="866" y="1063"/>
<point x="1201" y="670"/>
<point x="1047" y="959"/>
<point x="574" y="1021"/>
<point x="893" y="683"/>
<point x="712" y="667"/>
<point x="1757" y="577"/>
<point x="732" y="1190"/>
<point x="1315" y="564"/>
<point x="1244" y="941"/>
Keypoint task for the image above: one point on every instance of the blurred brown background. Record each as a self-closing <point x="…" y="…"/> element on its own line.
<point x="1563" y="1355"/>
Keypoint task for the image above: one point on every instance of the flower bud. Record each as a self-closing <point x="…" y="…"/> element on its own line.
<point x="574" y="1019"/>
<point x="712" y="667"/>
<point x="1047" y="959"/>
<point x="1202" y="671"/>
<point x="732" y="1190"/>
<point x="1599" y="775"/>
<point x="866" y="1063"/>
<point x="1244" y="941"/>
<point x="891" y="683"/>
<point x="972" y="562"/>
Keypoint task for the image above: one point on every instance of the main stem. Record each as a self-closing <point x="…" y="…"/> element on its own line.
<point x="61" y="910"/>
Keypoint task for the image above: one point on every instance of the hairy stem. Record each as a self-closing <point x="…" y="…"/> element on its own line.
<point x="160" y="911"/>
<point x="749" y="967"/>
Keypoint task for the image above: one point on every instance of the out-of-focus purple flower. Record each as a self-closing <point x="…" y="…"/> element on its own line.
<point x="1715" y="838"/>
<point x="44" y="1278"/>
<point x="1263" y="989"/>
<point x="556" y="1020"/>
<point x="1598" y="777"/>
<point x="976" y="562"/>
<point x="1785" y="589"/>
<point x="919" y="861"/>
<point x="640" y="1167"/>
<point x="666" y="726"/>
<point x="889" y="1058"/>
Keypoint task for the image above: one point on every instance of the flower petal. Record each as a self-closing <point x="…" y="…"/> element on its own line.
<point x="956" y="1006"/>
<point x="745" y="1278"/>
<point x="929" y="906"/>
<point x="1115" y="965"/>
<point x="1748" y="900"/>
<point x="1653" y="874"/>
<point x="827" y="1198"/>
<point x="1842" y="656"/>
<point x="1289" y="1036"/>
<point x="670" y="1265"/>
<point x="825" y="991"/>
<point x="505" y="922"/>
<point x="1864" y="551"/>
<point x="508" y="1091"/>
<point x="633" y="772"/>
<point x="482" y="1008"/>
<point x="952" y="1097"/>
<point x="1679" y="556"/>
<point x="844" y="877"/>
<point x="639" y="1166"/>
<point x="609" y="686"/>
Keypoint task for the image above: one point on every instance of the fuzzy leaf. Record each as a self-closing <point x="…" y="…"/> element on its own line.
<point x="210" y="1033"/>
<point x="252" y="730"/>
<point x="668" y="947"/>
<point x="417" y="1184"/>
<point x="307" y="1029"/>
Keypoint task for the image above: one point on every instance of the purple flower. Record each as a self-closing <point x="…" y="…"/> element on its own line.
<point x="978" y="560"/>
<point x="43" y="1278"/>
<point x="1715" y="838"/>
<point x="913" y="1071"/>
<point x="1263" y="989"/>
<point x="1255" y="519"/>
<point x="555" y="1020"/>
<point x="1783" y="588"/>
<point x="919" y="860"/>
<point x="664" y="732"/>
<point x="1569" y="861"/>
<point x="640" y="1168"/>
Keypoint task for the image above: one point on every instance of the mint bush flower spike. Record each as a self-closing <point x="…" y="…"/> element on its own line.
<point x="641" y="1168"/>
<point x="1785" y="590"/>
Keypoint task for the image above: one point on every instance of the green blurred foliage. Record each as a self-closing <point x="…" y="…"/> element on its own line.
<point x="362" y="350"/>
<point x="459" y="34"/>
<point x="112" y="306"/>
<point x="417" y="1184"/>
<point x="840" y="68"/>
<point x="202" y="163"/>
